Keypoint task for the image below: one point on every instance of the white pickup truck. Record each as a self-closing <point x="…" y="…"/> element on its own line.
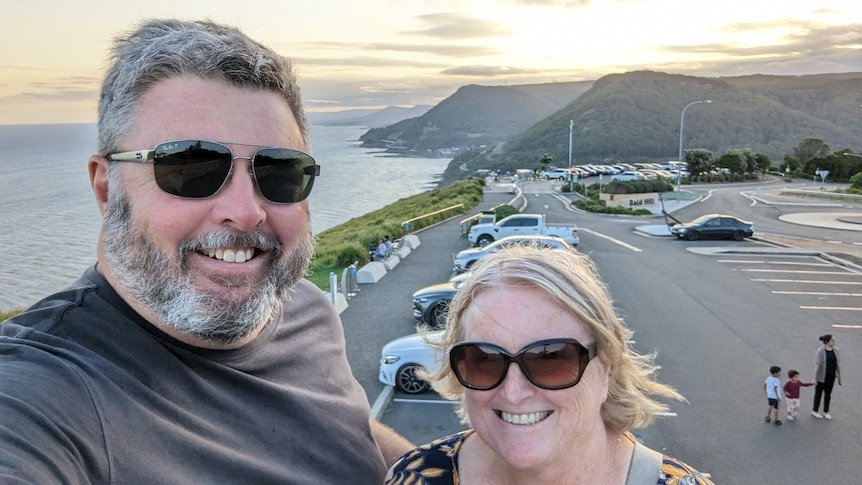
<point x="521" y="224"/>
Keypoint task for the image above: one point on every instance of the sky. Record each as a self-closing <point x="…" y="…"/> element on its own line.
<point x="353" y="54"/>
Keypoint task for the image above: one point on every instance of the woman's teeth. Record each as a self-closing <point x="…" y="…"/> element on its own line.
<point x="529" y="418"/>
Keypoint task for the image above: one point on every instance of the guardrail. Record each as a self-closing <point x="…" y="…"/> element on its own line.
<point x="406" y="224"/>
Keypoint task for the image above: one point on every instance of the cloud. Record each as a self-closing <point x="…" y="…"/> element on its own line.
<point x="460" y="26"/>
<point x="803" y="39"/>
<point x="485" y="71"/>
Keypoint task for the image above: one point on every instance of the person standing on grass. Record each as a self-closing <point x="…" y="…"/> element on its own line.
<point x="772" y="386"/>
<point x="826" y="371"/>
<point x="791" y="392"/>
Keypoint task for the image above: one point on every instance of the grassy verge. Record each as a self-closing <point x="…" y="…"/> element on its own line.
<point x="340" y="246"/>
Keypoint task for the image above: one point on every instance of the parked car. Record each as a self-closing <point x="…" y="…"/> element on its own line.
<point x="431" y="304"/>
<point x="628" y="176"/>
<point x="714" y="226"/>
<point x="402" y="357"/>
<point x="522" y="225"/>
<point x="468" y="257"/>
<point x="556" y="174"/>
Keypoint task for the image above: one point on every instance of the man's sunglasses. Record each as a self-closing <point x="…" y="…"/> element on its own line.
<point x="196" y="169"/>
<point x="550" y="364"/>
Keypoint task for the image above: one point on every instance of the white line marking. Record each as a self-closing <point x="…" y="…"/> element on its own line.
<point x="609" y="238"/>
<point x="814" y="293"/>
<point x="426" y="401"/>
<point x="794" y="271"/>
<point x="847" y="326"/>
<point x="813" y="282"/>
<point x="668" y="414"/>
<point x="843" y="308"/>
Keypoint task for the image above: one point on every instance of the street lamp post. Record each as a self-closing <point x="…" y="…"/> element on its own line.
<point x="681" y="127"/>
<point x="571" y="126"/>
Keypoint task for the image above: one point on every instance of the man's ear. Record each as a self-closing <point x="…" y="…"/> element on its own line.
<point x="98" y="169"/>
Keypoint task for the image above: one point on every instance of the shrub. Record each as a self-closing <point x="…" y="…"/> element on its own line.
<point x="856" y="181"/>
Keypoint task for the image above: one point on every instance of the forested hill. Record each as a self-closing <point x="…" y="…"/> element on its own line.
<point x="635" y="116"/>
<point x="475" y="116"/>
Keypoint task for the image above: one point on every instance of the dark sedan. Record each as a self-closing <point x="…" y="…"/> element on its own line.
<point x="714" y="226"/>
<point x="430" y="304"/>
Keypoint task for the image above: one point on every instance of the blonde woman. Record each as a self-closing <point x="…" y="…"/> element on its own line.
<point x="539" y="361"/>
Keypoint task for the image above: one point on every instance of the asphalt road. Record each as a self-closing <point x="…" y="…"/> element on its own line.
<point x="717" y="321"/>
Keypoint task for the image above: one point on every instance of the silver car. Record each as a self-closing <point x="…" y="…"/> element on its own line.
<point x="468" y="257"/>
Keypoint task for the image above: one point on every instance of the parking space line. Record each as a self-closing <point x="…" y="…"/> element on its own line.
<point x="425" y="401"/>
<point x="814" y="293"/>
<point x="813" y="282"/>
<point x="763" y="261"/>
<point x="841" y="308"/>
<point x="613" y="240"/>
<point x="838" y="325"/>
<point x="792" y="271"/>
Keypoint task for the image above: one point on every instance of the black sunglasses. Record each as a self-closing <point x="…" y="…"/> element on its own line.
<point x="196" y="169"/>
<point x="550" y="364"/>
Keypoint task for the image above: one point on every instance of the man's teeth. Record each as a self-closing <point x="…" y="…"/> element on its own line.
<point x="230" y="255"/>
<point x="530" y="418"/>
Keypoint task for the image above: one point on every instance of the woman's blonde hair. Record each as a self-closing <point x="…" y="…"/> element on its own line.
<point x="570" y="279"/>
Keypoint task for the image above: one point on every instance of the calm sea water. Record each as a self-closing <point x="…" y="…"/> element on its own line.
<point x="49" y="223"/>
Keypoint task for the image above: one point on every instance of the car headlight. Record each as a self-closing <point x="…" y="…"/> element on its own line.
<point x="390" y="359"/>
<point x="421" y="299"/>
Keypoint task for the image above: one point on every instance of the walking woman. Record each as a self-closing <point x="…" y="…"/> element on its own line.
<point x="826" y="371"/>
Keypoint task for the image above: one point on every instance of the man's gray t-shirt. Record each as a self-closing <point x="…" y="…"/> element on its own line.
<point x="91" y="392"/>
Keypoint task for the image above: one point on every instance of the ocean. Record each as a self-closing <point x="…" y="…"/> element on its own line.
<point x="50" y="222"/>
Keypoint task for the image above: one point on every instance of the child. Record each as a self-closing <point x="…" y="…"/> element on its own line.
<point x="791" y="392"/>
<point x="771" y="386"/>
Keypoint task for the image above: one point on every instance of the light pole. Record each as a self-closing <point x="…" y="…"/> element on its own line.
<point x="571" y="127"/>
<point x="681" y="127"/>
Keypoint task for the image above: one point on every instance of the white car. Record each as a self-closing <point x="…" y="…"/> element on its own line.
<point x="402" y="357"/>
<point x="556" y="174"/>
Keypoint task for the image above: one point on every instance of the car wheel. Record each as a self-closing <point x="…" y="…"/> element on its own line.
<point x="484" y="240"/>
<point x="407" y="380"/>
<point x="438" y="315"/>
<point x="692" y="236"/>
<point x="738" y="236"/>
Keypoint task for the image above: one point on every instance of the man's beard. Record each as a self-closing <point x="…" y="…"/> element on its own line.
<point x="168" y="288"/>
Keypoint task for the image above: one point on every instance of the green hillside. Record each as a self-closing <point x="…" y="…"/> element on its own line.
<point x="475" y="116"/>
<point x="633" y="117"/>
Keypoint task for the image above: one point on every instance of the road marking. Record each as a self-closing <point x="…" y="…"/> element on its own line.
<point x="842" y="308"/>
<point x="425" y="401"/>
<point x="609" y="238"/>
<point x="846" y="326"/>
<point x="794" y="271"/>
<point x="814" y="282"/>
<point x="667" y="414"/>
<point x="814" y="293"/>
<point x="788" y="263"/>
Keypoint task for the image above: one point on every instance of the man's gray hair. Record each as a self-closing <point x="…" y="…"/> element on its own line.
<point x="165" y="49"/>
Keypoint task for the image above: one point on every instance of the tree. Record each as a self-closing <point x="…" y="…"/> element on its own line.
<point x="810" y="150"/>
<point x="545" y="161"/>
<point x="763" y="162"/>
<point x="698" y="160"/>
<point x="733" y="161"/>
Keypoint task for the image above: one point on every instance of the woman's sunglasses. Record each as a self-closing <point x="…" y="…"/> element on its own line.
<point x="197" y="169"/>
<point x="549" y="364"/>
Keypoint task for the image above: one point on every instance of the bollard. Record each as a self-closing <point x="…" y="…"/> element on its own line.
<point x="333" y="286"/>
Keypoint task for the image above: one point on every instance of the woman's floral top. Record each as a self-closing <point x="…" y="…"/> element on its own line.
<point x="436" y="463"/>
